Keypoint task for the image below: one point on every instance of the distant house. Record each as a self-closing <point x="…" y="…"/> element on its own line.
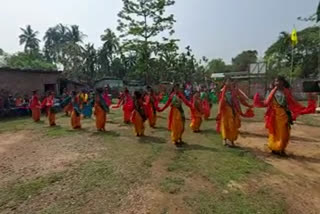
<point x="135" y="85"/>
<point x="114" y="84"/>
<point x="70" y="85"/>
<point x="216" y="76"/>
<point x="23" y="81"/>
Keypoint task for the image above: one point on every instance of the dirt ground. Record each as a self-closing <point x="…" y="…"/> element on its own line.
<point x="24" y="155"/>
<point x="302" y="164"/>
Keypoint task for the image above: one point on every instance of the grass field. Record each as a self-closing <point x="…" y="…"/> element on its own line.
<point x="59" y="170"/>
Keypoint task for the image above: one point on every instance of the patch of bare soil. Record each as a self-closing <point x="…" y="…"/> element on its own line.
<point x="25" y="155"/>
<point x="299" y="173"/>
<point x="149" y="198"/>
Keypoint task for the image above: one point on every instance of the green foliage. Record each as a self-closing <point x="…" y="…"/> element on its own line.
<point x="141" y="21"/>
<point x="29" y="61"/>
<point x="57" y="40"/>
<point x="109" y="63"/>
<point x="242" y="61"/>
<point x="305" y="54"/>
<point x="138" y="53"/>
<point x="29" y="39"/>
<point x="1" y="52"/>
<point x="217" y="66"/>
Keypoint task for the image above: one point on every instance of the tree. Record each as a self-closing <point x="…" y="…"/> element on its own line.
<point x="314" y="17"/>
<point x="242" y="61"/>
<point x="29" y="61"/>
<point x="110" y="42"/>
<point x="63" y="46"/>
<point x="72" y="61"/>
<point x="217" y="66"/>
<point x="89" y="71"/>
<point x="57" y="38"/>
<point x="29" y="39"/>
<point x="143" y="20"/>
<point x="167" y="53"/>
<point x="74" y="35"/>
<point x="1" y="52"/>
<point x="109" y="50"/>
<point x="306" y="54"/>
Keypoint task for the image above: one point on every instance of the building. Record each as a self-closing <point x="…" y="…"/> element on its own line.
<point x="109" y="81"/>
<point x="23" y="81"/>
<point x="115" y="85"/>
<point x="217" y="76"/>
<point x="70" y="85"/>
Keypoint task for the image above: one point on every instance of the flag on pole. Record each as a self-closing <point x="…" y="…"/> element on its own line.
<point x="294" y="37"/>
<point x="318" y="13"/>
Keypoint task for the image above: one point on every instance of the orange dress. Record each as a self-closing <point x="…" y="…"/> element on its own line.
<point x="68" y="109"/>
<point x="35" y="108"/>
<point x="51" y="114"/>
<point x="230" y="123"/>
<point x="280" y="134"/>
<point x="151" y="110"/>
<point x="139" y="117"/>
<point x="101" y="116"/>
<point x="282" y="110"/>
<point x="127" y="106"/>
<point x="75" y="114"/>
<point x="196" y="116"/>
<point x="177" y="124"/>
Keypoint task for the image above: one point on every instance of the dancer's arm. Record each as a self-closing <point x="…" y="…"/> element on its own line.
<point x="270" y="97"/>
<point x="167" y="104"/>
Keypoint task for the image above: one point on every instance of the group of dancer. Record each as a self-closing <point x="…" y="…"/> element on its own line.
<point x="282" y="110"/>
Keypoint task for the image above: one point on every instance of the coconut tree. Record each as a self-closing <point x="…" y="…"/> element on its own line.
<point x="110" y="43"/>
<point x="74" y="35"/>
<point x="29" y="39"/>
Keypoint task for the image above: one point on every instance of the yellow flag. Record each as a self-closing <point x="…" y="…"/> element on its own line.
<point x="294" y="37"/>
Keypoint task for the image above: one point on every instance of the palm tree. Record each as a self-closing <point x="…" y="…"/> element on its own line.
<point x="52" y="39"/>
<point x="111" y="43"/>
<point x="29" y="39"/>
<point x="89" y="55"/>
<point x="74" y="34"/>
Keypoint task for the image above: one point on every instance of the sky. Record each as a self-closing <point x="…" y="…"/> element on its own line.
<point x="213" y="28"/>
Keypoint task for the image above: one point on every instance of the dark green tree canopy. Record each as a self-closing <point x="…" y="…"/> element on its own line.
<point x="244" y="59"/>
<point x="30" y="61"/>
<point x="140" y="21"/>
<point x="306" y="54"/>
<point x="217" y="66"/>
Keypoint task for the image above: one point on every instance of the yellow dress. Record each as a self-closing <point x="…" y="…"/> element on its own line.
<point x="196" y="119"/>
<point x="177" y="125"/>
<point x="230" y="123"/>
<point x="279" y="136"/>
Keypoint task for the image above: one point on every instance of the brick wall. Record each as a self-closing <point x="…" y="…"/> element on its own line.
<point x="19" y="82"/>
